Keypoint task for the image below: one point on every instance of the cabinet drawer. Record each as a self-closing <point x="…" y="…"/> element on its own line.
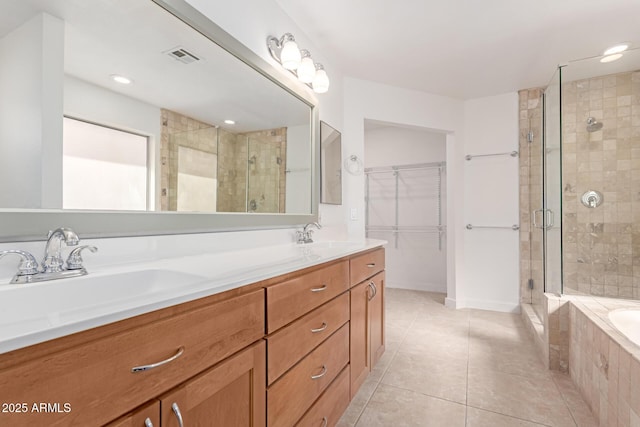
<point x="331" y="405"/>
<point x="289" y="300"/>
<point x="290" y="397"/>
<point x="96" y="378"/>
<point x="291" y="343"/>
<point x="366" y="265"/>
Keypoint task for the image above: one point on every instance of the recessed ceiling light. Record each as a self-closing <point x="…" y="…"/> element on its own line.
<point x="230" y="122"/>
<point x="121" y="79"/>
<point x="616" y="49"/>
<point x="611" y="58"/>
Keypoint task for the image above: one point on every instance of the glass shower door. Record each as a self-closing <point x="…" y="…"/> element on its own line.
<point x="551" y="219"/>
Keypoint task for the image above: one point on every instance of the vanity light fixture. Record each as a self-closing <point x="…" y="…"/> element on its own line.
<point x="121" y="79"/>
<point x="230" y="122"/>
<point x="298" y="62"/>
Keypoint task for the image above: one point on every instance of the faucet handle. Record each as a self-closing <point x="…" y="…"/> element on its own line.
<point x="74" y="261"/>
<point x="28" y="264"/>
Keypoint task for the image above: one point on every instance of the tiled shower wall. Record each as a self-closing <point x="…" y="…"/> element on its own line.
<point x="177" y="130"/>
<point x="531" y="267"/>
<point x="266" y="173"/>
<point x="602" y="245"/>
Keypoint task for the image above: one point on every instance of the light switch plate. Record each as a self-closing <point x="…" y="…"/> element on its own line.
<point x="354" y="214"/>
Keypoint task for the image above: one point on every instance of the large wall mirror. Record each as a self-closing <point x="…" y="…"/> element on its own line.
<point x="144" y="117"/>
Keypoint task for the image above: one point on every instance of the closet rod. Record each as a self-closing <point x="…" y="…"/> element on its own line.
<point x="419" y="166"/>
<point x="511" y="153"/>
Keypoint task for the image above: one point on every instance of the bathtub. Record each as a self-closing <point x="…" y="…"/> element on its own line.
<point x="627" y="321"/>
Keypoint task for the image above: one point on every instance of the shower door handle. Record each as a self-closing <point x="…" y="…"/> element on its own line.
<point x="549" y="219"/>
<point x="533" y="218"/>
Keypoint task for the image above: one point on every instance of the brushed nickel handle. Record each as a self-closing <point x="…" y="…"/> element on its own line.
<point x="158" y="364"/>
<point x="320" y="289"/>
<point x="321" y="374"/>
<point x="148" y="423"/>
<point x="321" y="328"/>
<point x="375" y="288"/>
<point x="325" y="421"/>
<point x="373" y="291"/>
<point x="176" y="410"/>
<point x="373" y="264"/>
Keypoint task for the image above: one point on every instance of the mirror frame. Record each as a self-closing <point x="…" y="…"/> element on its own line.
<point x="32" y="225"/>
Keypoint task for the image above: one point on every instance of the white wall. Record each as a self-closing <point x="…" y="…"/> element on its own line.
<point x="298" y="198"/>
<point x="418" y="261"/>
<point x="31" y="114"/>
<point x="491" y="198"/>
<point x="366" y="100"/>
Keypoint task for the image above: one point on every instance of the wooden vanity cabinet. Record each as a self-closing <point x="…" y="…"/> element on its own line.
<point x="231" y="393"/>
<point x="146" y="416"/>
<point x="290" y="350"/>
<point x="367" y="317"/>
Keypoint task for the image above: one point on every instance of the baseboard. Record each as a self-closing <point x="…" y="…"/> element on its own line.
<point x="505" y="307"/>
<point x="450" y="303"/>
<point x="427" y="287"/>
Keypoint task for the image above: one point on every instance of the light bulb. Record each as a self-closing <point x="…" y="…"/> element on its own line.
<point x="307" y="69"/>
<point x="321" y="80"/>
<point x="290" y="55"/>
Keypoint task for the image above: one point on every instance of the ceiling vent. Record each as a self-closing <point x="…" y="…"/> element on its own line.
<point x="182" y="55"/>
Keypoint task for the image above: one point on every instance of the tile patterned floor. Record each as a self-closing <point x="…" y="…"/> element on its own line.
<point x="449" y="368"/>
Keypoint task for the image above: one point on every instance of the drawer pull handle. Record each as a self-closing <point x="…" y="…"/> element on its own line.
<point x="176" y="410"/>
<point x="321" y="328"/>
<point x="325" y="421"/>
<point x="148" y="423"/>
<point x="155" y="365"/>
<point x="320" y="289"/>
<point x="321" y="374"/>
<point x="373" y="291"/>
<point x="371" y="265"/>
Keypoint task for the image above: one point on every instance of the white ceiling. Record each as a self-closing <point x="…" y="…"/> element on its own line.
<point x="463" y="48"/>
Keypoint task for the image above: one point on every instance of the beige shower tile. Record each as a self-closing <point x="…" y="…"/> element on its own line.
<point x="535" y="399"/>
<point x="391" y="406"/>
<point x="437" y="376"/>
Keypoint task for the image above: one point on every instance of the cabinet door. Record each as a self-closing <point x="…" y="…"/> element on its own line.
<point x="360" y="358"/>
<point x="145" y="416"/>
<point x="231" y="393"/>
<point x="376" y="319"/>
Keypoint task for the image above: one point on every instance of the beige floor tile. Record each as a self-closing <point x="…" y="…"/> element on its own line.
<point x="390" y="406"/>
<point x="532" y="399"/>
<point x="383" y="364"/>
<point x="480" y="418"/>
<point x="576" y="404"/>
<point x="441" y="377"/>
<point x="358" y="403"/>
<point x="435" y="344"/>
<point x="506" y="356"/>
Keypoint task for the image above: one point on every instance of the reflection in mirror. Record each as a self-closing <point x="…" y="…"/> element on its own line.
<point x="330" y="165"/>
<point x="122" y="106"/>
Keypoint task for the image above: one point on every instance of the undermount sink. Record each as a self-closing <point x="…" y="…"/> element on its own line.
<point x="60" y="298"/>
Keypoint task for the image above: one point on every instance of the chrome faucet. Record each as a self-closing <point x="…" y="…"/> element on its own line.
<point x="305" y="235"/>
<point x="52" y="262"/>
<point x="52" y="266"/>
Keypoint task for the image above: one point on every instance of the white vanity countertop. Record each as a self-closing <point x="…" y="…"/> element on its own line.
<point x="38" y="312"/>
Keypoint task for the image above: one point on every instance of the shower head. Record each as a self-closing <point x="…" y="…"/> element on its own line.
<point x="593" y="125"/>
